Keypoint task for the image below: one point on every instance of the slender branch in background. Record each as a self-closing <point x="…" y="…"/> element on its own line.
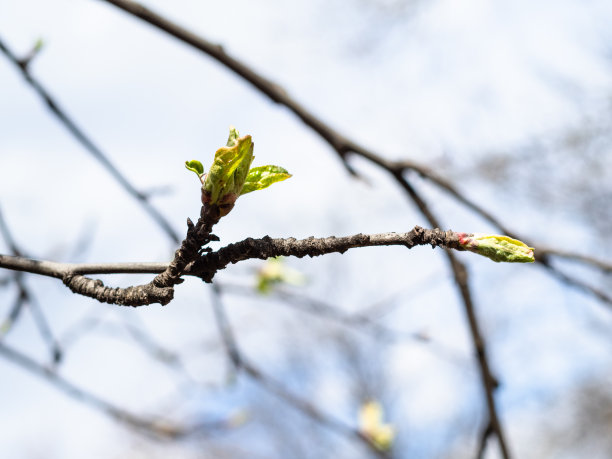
<point x="484" y="438"/>
<point x="359" y="321"/>
<point x="602" y="265"/>
<point x="44" y="328"/>
<point x="90" y="146"/>
<point x="157" y="427"/>
<point x="20" y="301"/>
<point x="225" y="331"/>
<point x="579" y="284"/>
<point x="26" y="297"/>
<point x="255" y="374"/>
<point x="341" y="144"/>
<point x="489" y="383"/>
<point x="327" y="311"/>
<point x="127" y="331"/>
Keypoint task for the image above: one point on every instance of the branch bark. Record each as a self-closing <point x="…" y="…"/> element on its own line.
<point x="190" y="261"/>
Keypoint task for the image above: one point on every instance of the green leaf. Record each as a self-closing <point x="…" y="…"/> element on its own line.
<point x="262" y="177"/>
<point x="195" y="166"/>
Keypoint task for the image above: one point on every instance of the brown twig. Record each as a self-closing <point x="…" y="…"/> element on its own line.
<point x="189" y="261"/>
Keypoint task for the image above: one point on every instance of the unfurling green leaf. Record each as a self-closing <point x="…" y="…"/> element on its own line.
<point x="195" y="166"/>
<point x="262" y="177"/>
<point x="497" y="248"/>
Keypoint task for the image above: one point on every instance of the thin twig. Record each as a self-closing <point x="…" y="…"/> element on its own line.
<point x="484" y="440"/>
<point x="189" y="261"/>
<point x="26" y="297"/>
<point x="325" y="310"/>
<point x="158" y="428"/>
<point x="603" y="265"/>
<point x="359" y="321"/>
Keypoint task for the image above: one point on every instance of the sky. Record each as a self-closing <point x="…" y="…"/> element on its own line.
<point x="418" y="80"/>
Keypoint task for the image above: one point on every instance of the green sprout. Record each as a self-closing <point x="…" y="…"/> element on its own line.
<point x="497" y="248"/>
<point x="230" y="174"/>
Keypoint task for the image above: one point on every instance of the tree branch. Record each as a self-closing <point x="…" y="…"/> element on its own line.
<point x="189" y="261"/>
<point x="207" y="266"/>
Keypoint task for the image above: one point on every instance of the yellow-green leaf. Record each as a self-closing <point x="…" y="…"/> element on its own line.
<point x="195" y="166"/>
<point x="262" y="177"/>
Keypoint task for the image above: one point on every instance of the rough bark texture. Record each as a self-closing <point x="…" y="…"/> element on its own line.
<point x="131" y="296"/>
<point x="193" y="259"/>
<point x="266" y="247"/>
<point x="161" y="288"/>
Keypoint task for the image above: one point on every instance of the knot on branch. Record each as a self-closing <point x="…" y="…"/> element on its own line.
<point x="140" y="295"/>
<point x="435" y="237"/>
<point x="198" y="236"/>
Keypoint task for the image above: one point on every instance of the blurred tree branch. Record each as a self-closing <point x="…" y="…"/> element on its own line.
<point x="86" y="142"/>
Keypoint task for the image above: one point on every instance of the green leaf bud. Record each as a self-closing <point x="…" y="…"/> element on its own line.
<point x="230" y="174"/>
<point x="496" y="247"/>
<point x="226" y="177"/>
